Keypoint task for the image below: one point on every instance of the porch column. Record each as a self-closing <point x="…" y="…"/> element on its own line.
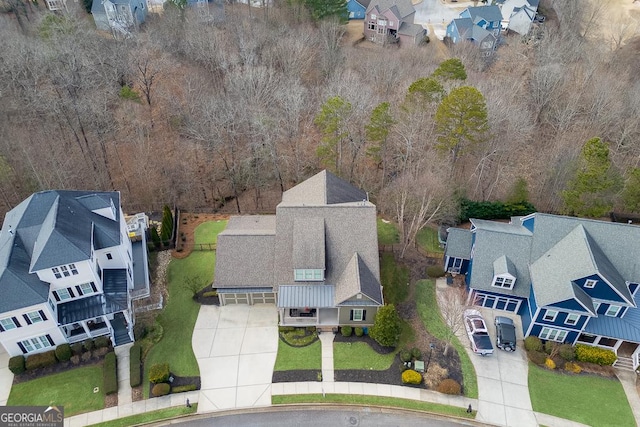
<point x="85" y="327"/>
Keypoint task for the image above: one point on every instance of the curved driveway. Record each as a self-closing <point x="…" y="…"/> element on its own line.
<point x="236" y="347"/>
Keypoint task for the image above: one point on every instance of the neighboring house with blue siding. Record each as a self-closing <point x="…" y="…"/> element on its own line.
<point x="487" y="17"/>
<point x="571" y="280"/>
<point x="121" y="17"/>
<point x="479" y="25"/>
<point x="357" y="8"/>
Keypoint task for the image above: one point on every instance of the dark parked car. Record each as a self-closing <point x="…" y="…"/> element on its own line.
<point x="505" y="333"/>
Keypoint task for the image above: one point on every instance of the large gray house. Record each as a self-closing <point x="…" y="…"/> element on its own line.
<point x="316" y="258"/>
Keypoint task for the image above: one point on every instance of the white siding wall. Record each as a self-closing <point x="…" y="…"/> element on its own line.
<point x="10" y="338"/>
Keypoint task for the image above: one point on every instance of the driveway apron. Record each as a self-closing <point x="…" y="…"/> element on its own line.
<point x="236" y="348"/>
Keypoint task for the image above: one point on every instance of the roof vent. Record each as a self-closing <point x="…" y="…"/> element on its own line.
<point x="10" y="230"/>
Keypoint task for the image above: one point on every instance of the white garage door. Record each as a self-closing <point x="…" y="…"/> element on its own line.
<point x="496" y="302"/>
<point x="236" y="299"/>
<point x="263" y="298"/>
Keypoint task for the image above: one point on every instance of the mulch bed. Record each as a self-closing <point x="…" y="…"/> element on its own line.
<point x="201" y="299"/>
<point x="95" y="357"/>
<point x="111" y="400"/>
<point x="365" y="339"/>
<point x="295" y="376"/>
<point x="136" y="393"/>
<point x="180" y="381"/>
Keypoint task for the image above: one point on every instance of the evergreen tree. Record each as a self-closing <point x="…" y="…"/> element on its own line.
<point x="321" y="9"/>
<point x="631" y="192"/>
<point x="386" y="328"/>
<point x="380" y="123"/>
<point x="519" y="192"/>
<point x="166" y="227"/>
<point x="592" y="189"/>
<point x="423" y="92"/>
<point x="332" y="121"/>
<point x="451" y="69"/>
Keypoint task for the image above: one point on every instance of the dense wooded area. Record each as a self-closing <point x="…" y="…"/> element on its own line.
<point x="196" y="114"/>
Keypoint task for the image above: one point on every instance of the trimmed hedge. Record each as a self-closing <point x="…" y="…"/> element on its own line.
<point x="493" y="210"/>
<point x="135" y="373"/>
<point x="41" y="360"/>
<point x="102" y="342"/>
<point x="183" y="388"/>
<point x="359" y="331"/>
<point x="411" y="377"/>
<point x="449" y="386"/>
<point x="77" y="348"/>
<point x="110" y="373"/>
<point x="63" y="352"/>
<point x="160" y="389"/>
<point x="537" y="357"/>
<point x="567" y="352"/>
<point x="600" y="356"/>
<point x="405" y="356"/>
<point x="16" y="365"/>
<point x="416" y="353"/>
<point x="88" y="344"/>
<point x="346" y="331"/>
<point x="159" y="373"/>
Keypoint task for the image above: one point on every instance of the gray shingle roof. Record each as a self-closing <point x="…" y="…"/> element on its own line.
<point x="400" y="8"/>
<point x="323" y="189"/>
<point x="357" y="278"/>
<point x="316" y="296"/>
<point x="49" y="229"/>
<point x="488" y="13"/>
<point x="244" y="254"/>
<point x="308" y="243"/>
<point x="503" y="265"/>
<point x="409" y="29"/>
<point x="458" y="243"/>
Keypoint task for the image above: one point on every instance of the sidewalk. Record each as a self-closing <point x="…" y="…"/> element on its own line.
<point x="122" y="363"/>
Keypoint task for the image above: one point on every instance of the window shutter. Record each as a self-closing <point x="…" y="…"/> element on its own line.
<point x="50" y="340"/>
<point x="93" y="286"/>
<point x="78" y="290"/>
<point x="55" y="295"/>
<point x="15" y="320"/>
<point x="1" y="328"/>
<point x="24" y="350"/>
<point x="364" y="315"/>
<point x="26" y="318"/>
<point x="350" y="314"/>
<point x="71" y="292"/>
<point x="42" y="315"/>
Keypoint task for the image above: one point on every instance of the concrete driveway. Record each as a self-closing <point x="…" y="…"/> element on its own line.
<point x="236" y="347"/>
<point x="503" y="391"/>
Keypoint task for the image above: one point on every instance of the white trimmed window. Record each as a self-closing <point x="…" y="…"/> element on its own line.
<point x="613" y="310"/>
<point x="357" y="315"/>
<point x="590" y="283"/>
<point x="35" y="317"/>
<point x="596" y="306"/>
<point x="550" y="315"/>
<point x="552" y="334"/>
<point x="503" y="282"/>
<point x="9" y="323"/>
<point x="572" y="319"/>
<point x="56" y="272"/>
<point x="85" y="288"/>
<point x="73" y="269"/>
<point x="63" y="294"/>
<point x="308" y="275"/>
<point x="33" y="344"/>
<point x="65" y="271"/>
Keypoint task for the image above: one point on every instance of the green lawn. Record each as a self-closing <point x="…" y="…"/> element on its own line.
<point x="587" y="399"/>
<point x="427" y="239"/>
<point x="292" y="358"/>
<point x="148" y="417"/>
<point x="208" y="231"/>
<point x="72" y="389"/>
<point x="387" y="233"/>
<point x="394" y="279"/>
<point x="430" y="315"/>
<point x="181" y="311"/>
<point x="356" y="399"/>
<point x="359" y="355"/>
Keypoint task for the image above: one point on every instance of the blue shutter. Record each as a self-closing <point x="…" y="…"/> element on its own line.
<point x="42" y="315"/>
<point x="24" y="350"/>
<point x="27" y="319"/>
<point x="50" y="340"/>
<point x="15" y="320"/>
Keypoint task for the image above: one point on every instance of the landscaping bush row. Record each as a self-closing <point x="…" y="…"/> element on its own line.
<point x="554" y="355"/>
<point x="110" y="373"/>
<point x="493" y="210"/>
<point x="62" y="353"/>
<point x="600" y="356"/>
<point x="298" y="337"/>
<point x="135" y="371"/>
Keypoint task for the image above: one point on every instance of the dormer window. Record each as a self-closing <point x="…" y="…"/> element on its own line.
<point x="613" y="310"/>
<point x="308" y="275"/>
<point x="504" y="282"/>
<point x="590" y="283"/>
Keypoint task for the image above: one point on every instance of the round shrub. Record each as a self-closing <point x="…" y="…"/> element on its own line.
<point x="16" y="365"/>
<point x="88" y="344"/>
<point x="435" y="271"/>
<point x="405" y="356"/>
<point x="549" y="346"/>
<point x="359" y="331"/>
<point x="416" y="353"/>
<point x="159" y="373"/>
<point x="549" y="363"/>
<point x="572" y="367"/>
<point x="537" y="357"/>
<point x="102" y="342"/>
<point x="63" y="352"/>
<point x="532" y="343"/>
<point x="411" y="377"/>
<point x="346" y="331"/>
<point x="567" y="352"/>
<point x="77" y="348"/>
<point x="449" y="386"/>
<point x="161" y="389"/>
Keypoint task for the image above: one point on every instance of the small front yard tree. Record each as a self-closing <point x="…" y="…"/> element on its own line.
<point x="453" y="303"/>
<point x="386" y="327"/>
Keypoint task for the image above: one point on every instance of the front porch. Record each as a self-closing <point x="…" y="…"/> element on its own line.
<point x="306" y="316"/>
<point x="628" y="352"/>
<point x="86" y="329"/>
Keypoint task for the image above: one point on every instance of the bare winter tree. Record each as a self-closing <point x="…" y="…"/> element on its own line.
<point x="452" y="302"/>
